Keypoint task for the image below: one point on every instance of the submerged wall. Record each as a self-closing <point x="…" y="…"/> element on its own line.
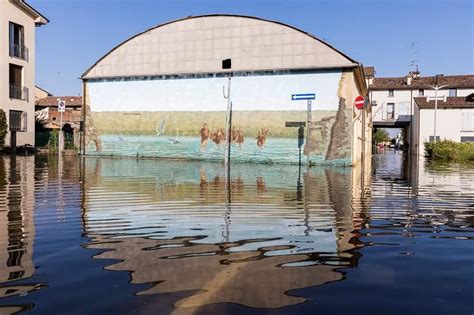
<point x="184" y="118"/>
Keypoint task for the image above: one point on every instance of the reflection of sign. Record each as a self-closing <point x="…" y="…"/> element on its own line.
<point x="359" y="102"/>
<point x="61" y="106"/>
<point x="301" y="97"/>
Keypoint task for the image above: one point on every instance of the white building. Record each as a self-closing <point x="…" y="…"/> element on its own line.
<point x="454" y="120"/>
<point x="17" y="76"/>
<point x="160" y="94"/>
<point x="393" y="99"/>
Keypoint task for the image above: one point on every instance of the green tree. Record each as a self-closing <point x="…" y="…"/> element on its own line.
<point x="3" y="128"/>
<point x="381" y="135"/>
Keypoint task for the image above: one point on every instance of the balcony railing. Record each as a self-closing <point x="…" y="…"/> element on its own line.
<point x="19" y="51"/>
<point x="19" y="92"/>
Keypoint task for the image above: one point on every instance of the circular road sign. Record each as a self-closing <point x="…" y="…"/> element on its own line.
<point x="359" y="102"/>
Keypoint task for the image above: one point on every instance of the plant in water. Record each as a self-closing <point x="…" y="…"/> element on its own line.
<point x="448" y="150"/>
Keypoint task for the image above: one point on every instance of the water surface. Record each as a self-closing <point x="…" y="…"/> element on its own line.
<point x="103" y="235"/>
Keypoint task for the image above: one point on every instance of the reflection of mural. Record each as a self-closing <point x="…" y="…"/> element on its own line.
<point x="250" y="247"/>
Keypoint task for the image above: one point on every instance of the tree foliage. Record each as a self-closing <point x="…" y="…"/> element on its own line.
<point x="3" y="128"/>
<point x="381" y="135"/>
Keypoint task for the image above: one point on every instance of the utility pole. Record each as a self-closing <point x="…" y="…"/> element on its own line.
<point x="436" y="87"/>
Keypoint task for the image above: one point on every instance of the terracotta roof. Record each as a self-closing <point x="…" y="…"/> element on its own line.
<point x="53" y="101"/>
<point x="451" y="102"/>
<point x="399" y="83"/>
<point x="369" y="71"/>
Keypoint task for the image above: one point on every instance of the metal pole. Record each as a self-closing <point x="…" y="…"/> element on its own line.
<point x="60" y="134"/>
<point x="308" y="114"/>
<point x="435" y="111"/>
<point x="228" y="122"/>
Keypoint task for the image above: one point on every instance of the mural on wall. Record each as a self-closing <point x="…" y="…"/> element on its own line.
<point x="186" y="118"/>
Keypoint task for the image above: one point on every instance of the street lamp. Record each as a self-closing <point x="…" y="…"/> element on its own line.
<point x="436" y="87"/>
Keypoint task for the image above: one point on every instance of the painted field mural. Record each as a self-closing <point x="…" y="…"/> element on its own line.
<point x="185" y="118"/>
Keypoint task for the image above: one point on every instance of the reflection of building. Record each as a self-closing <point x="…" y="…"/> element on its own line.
<point x="175" y="227"/>
<point x="454" y="117"/>
<point x="176" y="72"/>
<point x="17" y="232"/>
<point x="17" y="80"/>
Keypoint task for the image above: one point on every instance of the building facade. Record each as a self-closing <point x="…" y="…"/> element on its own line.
<point x="393" y="100"/>
<point x="454" y="120"/>
<point x="17" y="78"/>
<point x="160" y="94"/>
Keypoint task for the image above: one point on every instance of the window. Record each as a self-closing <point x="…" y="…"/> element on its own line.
<point x="467" y="139"/>
<point x="17" y="41"/>
<point x="390" y="93"/>
<point x="421" y="92"/>
<point x="467" y="120"/>
<point x="432" y="138"/>
<point x="453" y="92"/>
<point x="15" y="120"/>
<point x="390" y="111"/>
<point x="17" y="91"/>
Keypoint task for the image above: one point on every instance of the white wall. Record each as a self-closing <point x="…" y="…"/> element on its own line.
<point x="449" y="125"/>
<point x="271" y="92"/>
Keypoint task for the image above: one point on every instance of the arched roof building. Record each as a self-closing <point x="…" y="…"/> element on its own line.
<point x="167" y="81"/>
<point x="198" y="44"/>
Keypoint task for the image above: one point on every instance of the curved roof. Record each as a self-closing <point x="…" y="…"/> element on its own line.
<point x="198" y="44"/>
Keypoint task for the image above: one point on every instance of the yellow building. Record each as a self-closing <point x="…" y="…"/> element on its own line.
<point x="17" y="77"/>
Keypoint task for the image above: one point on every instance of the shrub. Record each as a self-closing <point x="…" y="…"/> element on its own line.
<point x="448" y="150"/>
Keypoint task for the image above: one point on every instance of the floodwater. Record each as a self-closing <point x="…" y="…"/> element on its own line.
<point x="119" y="236"/>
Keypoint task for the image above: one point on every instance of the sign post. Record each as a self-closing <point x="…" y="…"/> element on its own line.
<point x="306" y="97"/>
<point x="61" y="109"/>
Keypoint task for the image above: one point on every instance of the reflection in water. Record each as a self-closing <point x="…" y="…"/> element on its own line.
<point x="175" y="229"/>
<point x="270" y="238"/>
<point x="17" y="202"/>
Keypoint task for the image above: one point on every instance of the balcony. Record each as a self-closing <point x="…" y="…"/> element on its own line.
<point x="19" y="51"/>
<point x="19" y="92"/>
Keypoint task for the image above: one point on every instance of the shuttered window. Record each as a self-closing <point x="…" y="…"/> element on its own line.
<point x="467" y="121"/>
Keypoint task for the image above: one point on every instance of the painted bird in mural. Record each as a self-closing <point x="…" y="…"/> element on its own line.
<point x="121" y="138"/>
<point x="174" y="141"/>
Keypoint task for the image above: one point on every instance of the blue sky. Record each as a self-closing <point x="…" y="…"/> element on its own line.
<point x="375" y="32"/>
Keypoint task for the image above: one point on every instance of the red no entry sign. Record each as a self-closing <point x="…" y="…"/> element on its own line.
<point x="359" y="102"/>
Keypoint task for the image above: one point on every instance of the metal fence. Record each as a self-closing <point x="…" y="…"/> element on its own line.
<point x="19" y="51"/>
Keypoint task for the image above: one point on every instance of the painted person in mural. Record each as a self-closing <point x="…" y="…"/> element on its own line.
<point x="218" y="136"/>
<point x="204" y="133"/>
<point x="237" y="136"/>
<point x="262" y="137"/>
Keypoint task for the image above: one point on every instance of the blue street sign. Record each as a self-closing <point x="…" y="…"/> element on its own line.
<point x="301" y="97"/>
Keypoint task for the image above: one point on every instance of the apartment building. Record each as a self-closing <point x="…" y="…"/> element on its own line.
<point x="18" y="21"/>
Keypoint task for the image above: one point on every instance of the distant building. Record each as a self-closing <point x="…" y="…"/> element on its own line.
<point x="47" y="110"/>
<point x="17" y="77"/>
<point x="41" y="93"/>
<point x="454" y="120"/>
<point x="393" y="99"/>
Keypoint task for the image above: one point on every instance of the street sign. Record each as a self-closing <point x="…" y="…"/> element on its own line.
<point x="359" y="102"/>
<point x="303" y="97"/>
<point x="61" y="106"/>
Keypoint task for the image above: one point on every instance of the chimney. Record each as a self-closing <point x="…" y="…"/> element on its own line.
<point x="409" y="78"/>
